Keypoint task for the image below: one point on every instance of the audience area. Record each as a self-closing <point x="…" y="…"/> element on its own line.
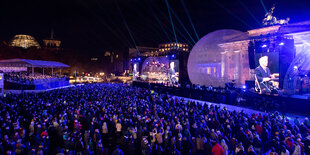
<point x="29" y="78"/>
<point x="121" y="119"/>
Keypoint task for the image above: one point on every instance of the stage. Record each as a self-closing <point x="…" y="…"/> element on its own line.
<point x="268" y="68"/>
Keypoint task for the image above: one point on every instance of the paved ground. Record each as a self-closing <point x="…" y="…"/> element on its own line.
<point x="290" y="117"/>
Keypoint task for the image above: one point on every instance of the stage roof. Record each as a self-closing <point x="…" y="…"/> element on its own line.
<point x="31" y="63"/>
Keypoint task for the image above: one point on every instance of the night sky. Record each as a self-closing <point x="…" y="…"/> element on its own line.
<point x="99" y="25"/>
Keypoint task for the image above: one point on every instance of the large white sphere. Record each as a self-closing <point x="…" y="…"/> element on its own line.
<point x="205" y="63"/>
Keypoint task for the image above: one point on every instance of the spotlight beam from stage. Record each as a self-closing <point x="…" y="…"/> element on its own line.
<point x="117" y="35"/>
<point x="179" y="20"/>
<point x="172" y="25"/>
<point x="120" y="31"/>
<point x="140" y="28"/>
<point x="176" y="28"/>
<point x="231" y="13"/>
<point x="251" y="14"/>
<point x="160" y="24"/>
<point x="149" y="22"/>
<point x="190" y="19"/>
<point x="262" y="2"/>
<point x="125" y="23"/>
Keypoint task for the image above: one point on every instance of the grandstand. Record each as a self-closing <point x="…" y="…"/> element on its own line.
<point x="19" y="74"/>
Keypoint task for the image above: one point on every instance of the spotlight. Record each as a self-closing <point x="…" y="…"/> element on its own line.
<point x="264" y="46"/>
<point x="130" y="59"/>
<point x="295" y="67"/>
<point x="173" y="56"/>
<point x="281" y="43"/>
<point x="166" y="56"/>
<point x="139" y="59"/>
<point x="244" y="86"/>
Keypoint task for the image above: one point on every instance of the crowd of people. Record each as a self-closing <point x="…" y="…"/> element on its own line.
<point x="121" y="119"/>
<point x="28" y="78"/>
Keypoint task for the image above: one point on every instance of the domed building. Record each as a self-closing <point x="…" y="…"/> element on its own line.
<point x="24" y="41"/>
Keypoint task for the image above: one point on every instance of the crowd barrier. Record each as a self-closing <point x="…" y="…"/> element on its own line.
<point x="243" y="98"/>
<point x="37" y="85"/>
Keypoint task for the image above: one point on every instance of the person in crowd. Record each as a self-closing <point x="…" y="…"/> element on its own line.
<point x="225" y="147"/>
<point x="159" y="136"/>
<point x="284" y="151"/>
<point x="117" y="151"/>
<point x="145" y="146"/>
<point x="240" y="149"/>
<point x="251" y="151"/>
<point x="217" y="149"/>
<point x="297" y="150"/>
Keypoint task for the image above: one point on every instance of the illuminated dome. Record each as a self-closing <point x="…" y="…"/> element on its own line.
<point x="219" y="57"/>
<point x="24" y="41"/>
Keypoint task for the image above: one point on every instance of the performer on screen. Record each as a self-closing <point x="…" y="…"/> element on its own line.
<point x="263" y="75"/>
<point x="135" y="72"/>
<point x="172" y="74"/>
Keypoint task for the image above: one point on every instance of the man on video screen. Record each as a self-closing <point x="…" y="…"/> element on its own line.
<point x="172" y="73"/>
<point x="263" y="74"/>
